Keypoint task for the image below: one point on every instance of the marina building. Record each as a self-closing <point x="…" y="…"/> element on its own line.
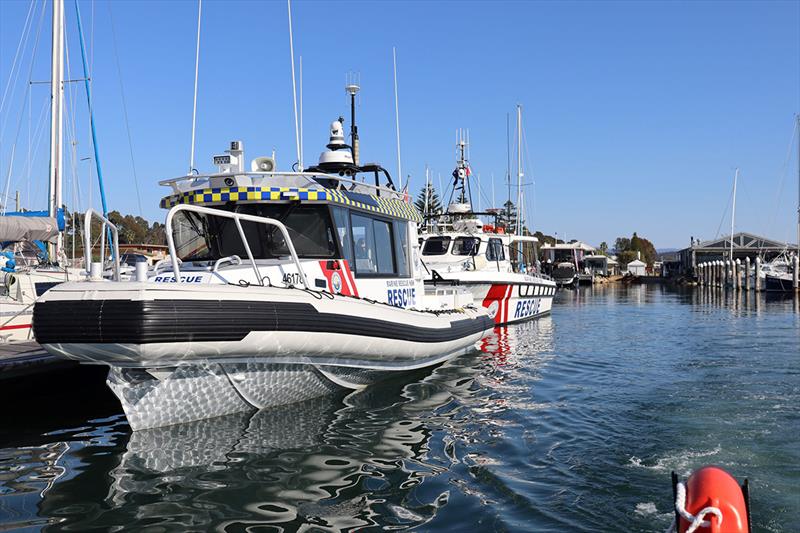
<point x="744" y="245"/>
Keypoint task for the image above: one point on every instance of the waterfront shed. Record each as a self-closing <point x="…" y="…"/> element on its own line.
<point x="636" y="268"/>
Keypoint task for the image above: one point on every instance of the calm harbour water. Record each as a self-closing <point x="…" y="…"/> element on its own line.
<point x="569" y="423"/>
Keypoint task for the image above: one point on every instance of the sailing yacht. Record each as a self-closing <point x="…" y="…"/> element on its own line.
<point x="281" y="286"/>
<point x="31" y="255"/>
<point x="459" y="249"/>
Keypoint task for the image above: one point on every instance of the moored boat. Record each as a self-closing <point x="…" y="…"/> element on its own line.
<point x="461" y="250"/>
<point x="280" y="287"/>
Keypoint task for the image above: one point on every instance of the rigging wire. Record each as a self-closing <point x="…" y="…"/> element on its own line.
<point x="784" y="171"/>
<point x="23" y="38"/>
<point x="125" y="110"/>
<point x="528" y="167"/>
<point x="724" y="214"/>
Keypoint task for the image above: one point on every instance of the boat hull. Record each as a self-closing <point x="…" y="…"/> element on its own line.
<point x="182" y="353"/>
<point x="510" y="304"/>
<point x="778" y="283"/>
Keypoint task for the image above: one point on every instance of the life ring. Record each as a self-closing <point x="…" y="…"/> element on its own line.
<point x="711" y="501"/>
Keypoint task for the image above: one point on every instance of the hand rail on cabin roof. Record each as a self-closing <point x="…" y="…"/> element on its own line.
<point x="309" y="176"/>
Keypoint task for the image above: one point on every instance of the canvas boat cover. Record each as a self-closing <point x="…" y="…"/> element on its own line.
<point x="22" y="228"/>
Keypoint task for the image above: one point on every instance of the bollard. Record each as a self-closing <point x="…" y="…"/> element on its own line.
<point x="141" y="271"/>
<point x="96" y="271"/>
<point x="737" y="274"/>
<point x="758" y="274"/>
<point x="747" y="274"/>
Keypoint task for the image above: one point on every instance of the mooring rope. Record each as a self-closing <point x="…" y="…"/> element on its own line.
<point x="697" y="520"/>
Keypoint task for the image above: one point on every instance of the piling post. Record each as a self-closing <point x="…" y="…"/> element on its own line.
<point x="700" y="274"/>
<point x="795" y="273"/>
<point x="716" y="273"/>
<point x="720" y="274"/>
<point x="747" y="274"/>
<point x="728" y="273"/>
<point x="758" y="274"/>
<point x="737" y="274"/>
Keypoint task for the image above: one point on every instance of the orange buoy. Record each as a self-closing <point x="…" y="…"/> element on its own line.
<point x="711" y="502"/>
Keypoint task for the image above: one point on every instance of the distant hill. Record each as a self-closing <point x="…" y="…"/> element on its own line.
<point x="666" y="250"/>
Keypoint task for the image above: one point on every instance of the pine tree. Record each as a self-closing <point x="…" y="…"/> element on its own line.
<point x="508" y="217"/>
<point x="434" y="203"/>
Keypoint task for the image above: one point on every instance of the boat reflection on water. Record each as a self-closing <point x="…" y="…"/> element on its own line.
<point x="386" y="456"/>
<point x="528" y="338"/>
<point x="333" y="463"/>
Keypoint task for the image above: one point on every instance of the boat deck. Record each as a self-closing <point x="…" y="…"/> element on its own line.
<point x="25" y="358"/>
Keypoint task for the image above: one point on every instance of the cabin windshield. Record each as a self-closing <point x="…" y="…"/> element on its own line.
<point x="201" y="237"/>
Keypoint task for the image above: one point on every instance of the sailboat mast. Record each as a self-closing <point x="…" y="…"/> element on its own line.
<point x="733" y="212"/>
<point x="56" y="121"/>
<point x="519" y="165"/>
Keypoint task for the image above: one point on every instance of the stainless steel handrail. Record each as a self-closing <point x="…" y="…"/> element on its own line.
<point x="87" y="241"/>
<point x="308" y="176"/>
<point x="237" y="218"/>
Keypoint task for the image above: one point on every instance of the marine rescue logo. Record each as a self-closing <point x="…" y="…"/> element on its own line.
<point x="336" y="282"/>
<point x="493" y="307"/>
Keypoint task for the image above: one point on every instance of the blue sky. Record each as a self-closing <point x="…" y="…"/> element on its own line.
<point x="635" y="113"/>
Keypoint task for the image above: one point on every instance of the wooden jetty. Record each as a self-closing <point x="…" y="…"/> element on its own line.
<point x="25" y="358"/>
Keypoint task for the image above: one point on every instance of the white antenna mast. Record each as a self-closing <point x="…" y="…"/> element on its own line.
<point x="196" y="71"/>
<point x="301" y="114"/>
<point x="519" y="165"/>
<point x="397" y="119"/>
<point x="294" y="88"/>
<point x="733" y="211"/>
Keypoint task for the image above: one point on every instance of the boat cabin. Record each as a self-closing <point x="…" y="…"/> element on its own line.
<point x="315" y="229"/>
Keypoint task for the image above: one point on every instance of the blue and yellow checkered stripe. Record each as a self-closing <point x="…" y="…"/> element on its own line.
<point x="221" y="195"/>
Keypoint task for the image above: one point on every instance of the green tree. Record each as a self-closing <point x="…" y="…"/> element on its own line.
<point x="434" y="203"/>
<point x="603" y="248"/>
<point x="508" y="217"/>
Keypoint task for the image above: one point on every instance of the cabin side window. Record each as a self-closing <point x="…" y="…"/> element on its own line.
<point x="495" y="252"/>
<point x="374" y="246"/>
<point x="466" y="246"/>
<point x="436" y="246"/>
<point x="342" y="222"/>
<point x="401" y="248"/>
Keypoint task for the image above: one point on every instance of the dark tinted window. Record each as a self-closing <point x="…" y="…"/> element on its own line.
<point x="495" y="251"/>
<point x="343" y="233"/>
<point x="466" y="246"/>
<point x="374" y="246"/>
<point x="401" y="246"/>
<point x="436" y="246"/>
<point x="200" y="237"/>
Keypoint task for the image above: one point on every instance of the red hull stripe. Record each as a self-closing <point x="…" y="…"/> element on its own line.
<point x="499" y="294"/>
<point x="17" y="326"/>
